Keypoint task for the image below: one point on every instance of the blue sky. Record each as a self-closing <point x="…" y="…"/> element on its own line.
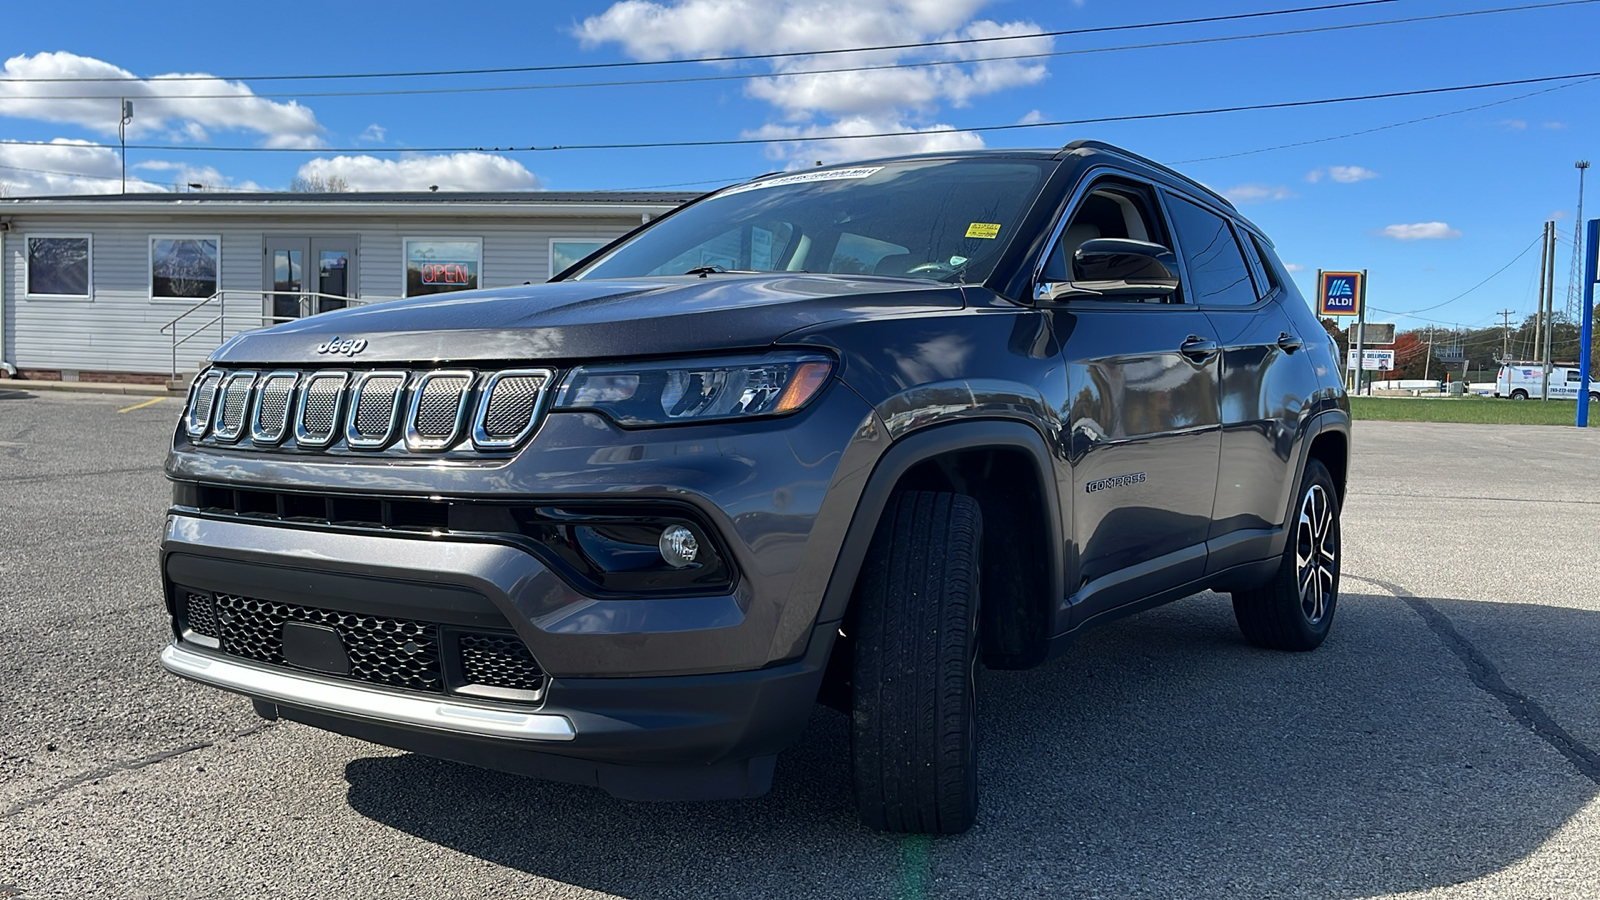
<point x="1430" y="208"/>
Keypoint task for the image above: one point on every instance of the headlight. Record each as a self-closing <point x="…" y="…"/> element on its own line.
<point x="700" y="390"/>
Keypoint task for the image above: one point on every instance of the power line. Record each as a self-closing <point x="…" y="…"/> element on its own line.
<point x="801" y="139"/>
<point x="506" y="70"/>
<point x="1413" y="314"/>
<point x="1351" y="134"/>
<point x="751" y="76"/>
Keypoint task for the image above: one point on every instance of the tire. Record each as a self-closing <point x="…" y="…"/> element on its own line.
<point x="1594" y="397"/>
<point x="1294" y="611"/>
<point x="1519" y="394"/>
<point x="913" y="730"/>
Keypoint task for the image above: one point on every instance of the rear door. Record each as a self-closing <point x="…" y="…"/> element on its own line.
<point x="1265" y="379"/>
<point x="1143" y="416"/>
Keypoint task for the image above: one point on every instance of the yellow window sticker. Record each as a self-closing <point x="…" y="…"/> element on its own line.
<point x="986" y="230"/>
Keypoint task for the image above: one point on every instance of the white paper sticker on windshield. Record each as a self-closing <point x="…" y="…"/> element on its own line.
<point x="803" y="177"/>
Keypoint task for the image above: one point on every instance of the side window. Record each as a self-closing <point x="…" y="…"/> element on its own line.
<point x="1218" y="274"/>
<point x="1572" y="376"/>
<point x="1111" y="210"/>
<point x="1266" y="279"/>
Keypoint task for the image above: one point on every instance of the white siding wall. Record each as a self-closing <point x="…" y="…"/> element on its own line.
<point x="119" y="329"/>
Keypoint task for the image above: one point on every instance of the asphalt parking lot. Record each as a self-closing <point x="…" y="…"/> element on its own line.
<point x="1445" y="742"/>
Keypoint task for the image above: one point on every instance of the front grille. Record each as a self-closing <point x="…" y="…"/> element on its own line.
<point x="397" y="411"/>
<point x="394" y="652"/>
<point x="501" y="661"/>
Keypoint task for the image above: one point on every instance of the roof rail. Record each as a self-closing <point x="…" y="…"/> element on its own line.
<point x="1112" y="148"/>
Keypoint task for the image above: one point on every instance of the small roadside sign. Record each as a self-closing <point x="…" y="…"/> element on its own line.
<point x="1340" y="293"/>
<point x="1372" y="360"/>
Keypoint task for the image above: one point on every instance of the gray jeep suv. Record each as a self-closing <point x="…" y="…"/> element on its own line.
<point x="838" y="435"/>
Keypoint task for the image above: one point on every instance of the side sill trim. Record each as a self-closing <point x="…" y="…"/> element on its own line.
<point x="366" y="703"/>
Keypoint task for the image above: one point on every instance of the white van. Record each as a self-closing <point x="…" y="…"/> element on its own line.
<point x="1521" y="381"/>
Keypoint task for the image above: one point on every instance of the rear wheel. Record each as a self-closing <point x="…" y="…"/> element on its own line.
<point x="1519" y="394"/>
<point x="913" y="734"/>
<point x="1294" y="611"/>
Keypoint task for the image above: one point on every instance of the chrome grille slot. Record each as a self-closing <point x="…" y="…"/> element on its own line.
<point x="321" y="401"/>
<point x="510" y="407"/>
<point x="438" y="402"/>
<point x="233" y="404"/>
<point x="198" y="419"/>
<point x="375" y="410"/>
<point x="271" y="420"/>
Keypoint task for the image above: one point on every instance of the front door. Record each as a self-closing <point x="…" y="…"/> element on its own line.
<point x="307" y="275"/>
<point x="1144" y="418"/>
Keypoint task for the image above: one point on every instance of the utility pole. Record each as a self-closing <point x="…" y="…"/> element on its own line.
<point x="1505" y="323"/>
<point x="1538" y="319"/>
<point x="1573" y="291"/>
<point x="1427" y="361"/>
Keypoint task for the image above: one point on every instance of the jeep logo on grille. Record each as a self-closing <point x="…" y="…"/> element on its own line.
<point x="346" y="347"/>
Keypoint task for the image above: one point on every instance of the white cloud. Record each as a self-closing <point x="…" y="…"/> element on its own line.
<point x="1257" y="193"/>
<point x="1341" y="174"/>
<point x="375" y="134"/>
<point x="1294" y="267"/>
<point x="65" y="167"/>
<point x="1032" y="116"/>
<point x="1554" y="125"/>
<point x="1420" y="231"/>
<point x="452" y="172"/>
<point x="1350" y="174"/>
<point x="1559" y="214"/>
<point x="1513" y="124"/>
<point x="183" y="175"/>
<point x="848" y="102"/>
<point x="162" y="105"/>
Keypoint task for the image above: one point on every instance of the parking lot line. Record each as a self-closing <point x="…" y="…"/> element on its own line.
<point x="151" y="402"/>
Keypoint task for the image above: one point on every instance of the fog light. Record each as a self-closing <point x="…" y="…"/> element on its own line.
<point x="678" y="546"/>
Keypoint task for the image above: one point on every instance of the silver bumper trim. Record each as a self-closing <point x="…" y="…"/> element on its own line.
<point x="367" y="703"/>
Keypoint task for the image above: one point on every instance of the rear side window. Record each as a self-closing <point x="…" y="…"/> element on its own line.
<point x="1218" y="274"/>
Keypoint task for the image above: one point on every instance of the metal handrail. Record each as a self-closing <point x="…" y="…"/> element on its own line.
<point x="307" y="308"/>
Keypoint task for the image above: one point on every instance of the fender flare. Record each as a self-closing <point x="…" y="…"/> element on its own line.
<point x="1334" y="420"/>
<point x="918" y="447"/>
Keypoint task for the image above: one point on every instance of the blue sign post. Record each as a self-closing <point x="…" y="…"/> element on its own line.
<point x="1586" y="341"/>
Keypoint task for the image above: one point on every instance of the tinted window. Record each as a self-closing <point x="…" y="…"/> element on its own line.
<point x="1217" y="270"/>
<point x="937" y="219"/>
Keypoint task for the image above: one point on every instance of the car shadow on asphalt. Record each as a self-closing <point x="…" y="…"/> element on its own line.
<point x="1161" y="756"/>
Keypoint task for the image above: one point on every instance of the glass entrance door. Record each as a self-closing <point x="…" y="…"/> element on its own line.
<point x="307" y="275"/>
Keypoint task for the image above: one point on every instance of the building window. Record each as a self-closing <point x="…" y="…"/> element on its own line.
<point x="440" y="265"/>
<point x="564" y="252"/>
<point x="183" y="267"/>
<point x="58" y="266"/>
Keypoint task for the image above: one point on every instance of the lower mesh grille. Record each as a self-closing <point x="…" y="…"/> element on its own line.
<point x="499" y="661"/>
<point x="394" y="652"/>
<point x="199" y="615"/>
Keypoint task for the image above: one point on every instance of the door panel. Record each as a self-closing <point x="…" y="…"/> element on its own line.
<point x="1264" y="380"/>
<point x="1144" y="445"/>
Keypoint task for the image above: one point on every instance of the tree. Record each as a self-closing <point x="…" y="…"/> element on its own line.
<point x="317" y="184"/>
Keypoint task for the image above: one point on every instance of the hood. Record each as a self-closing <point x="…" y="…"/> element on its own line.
<point x="571" y="321"/>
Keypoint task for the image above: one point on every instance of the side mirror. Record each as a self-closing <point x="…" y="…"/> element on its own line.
<point x="1117" y="268"/>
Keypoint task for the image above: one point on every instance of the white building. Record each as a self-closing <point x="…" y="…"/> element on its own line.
<point x="135" y="287"/>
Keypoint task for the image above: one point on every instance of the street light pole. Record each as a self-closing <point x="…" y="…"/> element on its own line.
<point x="122" y="138"/>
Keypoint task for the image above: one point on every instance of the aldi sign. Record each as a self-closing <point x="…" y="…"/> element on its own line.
<point x="1340" y="293"/>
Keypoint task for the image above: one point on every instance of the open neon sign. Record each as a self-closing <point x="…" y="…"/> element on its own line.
<point x="446" y="273"/>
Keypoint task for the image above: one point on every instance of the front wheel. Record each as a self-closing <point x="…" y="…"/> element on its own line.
<point x="913" y="728"/>
<point x="1594" y="397"/>
<point x="1294" y="611"/>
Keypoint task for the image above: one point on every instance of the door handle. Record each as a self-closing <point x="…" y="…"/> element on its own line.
<point x="1198" y="348"/>
<point x="1289" y="342"/>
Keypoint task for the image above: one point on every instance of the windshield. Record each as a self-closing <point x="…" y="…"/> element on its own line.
<point x="934" y="219"/>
